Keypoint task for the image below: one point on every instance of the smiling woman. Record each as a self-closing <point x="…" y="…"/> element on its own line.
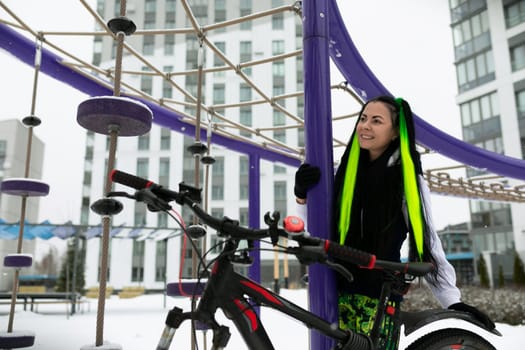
<point x="375" y="128"/>
<point x="381" y="199"/>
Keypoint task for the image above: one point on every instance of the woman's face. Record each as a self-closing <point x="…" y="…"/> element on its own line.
<point x="375" y="129"/>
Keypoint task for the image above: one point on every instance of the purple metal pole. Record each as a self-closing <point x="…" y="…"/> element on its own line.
<point x="254" y="209"/>
<point x="318" y="139"/>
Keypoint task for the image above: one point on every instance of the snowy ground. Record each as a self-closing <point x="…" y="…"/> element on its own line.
<point x="137" y="324"/>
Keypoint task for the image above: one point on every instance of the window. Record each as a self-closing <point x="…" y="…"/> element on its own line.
<point x="280" y="135"/>
<point x="218" y="93"/>
<point x="245" y="118"/>
<point x="517" y="57"/>
<point x="164" y="172"/>
<point x="169" y="22"/>
<point x="215" y="244"/>
<point x="245" y="49"/>
<point x="277" y="47"/>
<point x="278" y="69"/>
<point x="278" y="169"/>
<point x="245" y="92"/>
<point x="278" y="118"/>
<point x="150" y="6"/>
<point x="217" y="61"/>
<point x="148" y="45"/>
<point x="137" y="261"/>
<point x="139" y="218"/>
<point x="167" y="89"/>
<point x="146" y="81"/>
<point x="243" y="177"/>
<point x="481" y="122"/>
<point x="217" y="212"/>
<point x="160" y="260"/>
<point x="220" y="12"/>
<point x="143" y="142"/>
<point x="142" y="167"/>
<point x="243" y="217"/>
<point x="217" y="189"/>
<point x="280" y="197"/>
<point x="475" y="71"/>
<point x="278" y="21"/>
<point x="171" y="6"/>
<point x="514" y="13"/>
<point x="162" y="220"/>
<point x="471" y="35"/>
<point x="165" y="139"/>
<point x="245" y="10"/>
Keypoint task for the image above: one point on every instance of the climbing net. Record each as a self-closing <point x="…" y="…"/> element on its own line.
<point x="190" y="105"/>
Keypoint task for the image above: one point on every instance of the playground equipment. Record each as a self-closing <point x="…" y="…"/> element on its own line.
<point x="114" y="116"/>
<point x="24" y="188"/>
<point x="325" y="36"/>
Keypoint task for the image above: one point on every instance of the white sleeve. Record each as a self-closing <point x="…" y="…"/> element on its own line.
<point x="445" y="289"/>
<point x="302" y="212"/>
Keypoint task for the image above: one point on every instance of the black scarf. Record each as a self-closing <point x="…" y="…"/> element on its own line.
<point x="377" y="224"/>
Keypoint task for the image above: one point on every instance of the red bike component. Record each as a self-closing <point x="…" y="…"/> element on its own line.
<point x="247" y="311"/>
<point x="293" y="224"/>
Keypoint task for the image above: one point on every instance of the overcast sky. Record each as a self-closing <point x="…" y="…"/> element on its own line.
<point x="406" y="43"/>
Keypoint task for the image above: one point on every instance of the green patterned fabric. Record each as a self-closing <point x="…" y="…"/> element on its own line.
<point x="357" y="313"/>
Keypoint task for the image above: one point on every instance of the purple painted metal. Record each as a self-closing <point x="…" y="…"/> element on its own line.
<point x="318" y="134"/>
<point x="24" y="187"/>
<point x="357" y="73"/>
<point x="24" y="50"/>
<point x="254" y="209"/>
<point x="99" y="113"/>
<point x="18" y="260"/>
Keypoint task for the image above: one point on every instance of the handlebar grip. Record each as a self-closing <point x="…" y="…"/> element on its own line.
<point x="351" y="255"/>
<point x="129" y="180"/>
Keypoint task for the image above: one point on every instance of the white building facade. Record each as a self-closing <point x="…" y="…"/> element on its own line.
<point x="489" y="44"/>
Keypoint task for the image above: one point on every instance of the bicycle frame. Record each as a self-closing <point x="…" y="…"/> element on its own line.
<point x="236" y="295"/>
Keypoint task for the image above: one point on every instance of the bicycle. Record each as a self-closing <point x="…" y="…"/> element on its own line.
<point x="237" y="296"/>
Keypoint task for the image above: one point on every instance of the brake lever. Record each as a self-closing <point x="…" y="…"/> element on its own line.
<point x="154" y="202"/>
<point x="341" y="269"/>
<point x="145" y="195"/>
<point x="120" y="194"/>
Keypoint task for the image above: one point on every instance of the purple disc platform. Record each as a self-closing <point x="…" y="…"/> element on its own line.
<point x="18" y="260"/>
<point x="24" y="187"/>
<point x="188" y="287"/>
<point x="16" y="340"/>
<point x="97" y="114"/>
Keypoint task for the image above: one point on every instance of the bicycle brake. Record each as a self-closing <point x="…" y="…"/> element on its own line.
<point x="272" y="222"/>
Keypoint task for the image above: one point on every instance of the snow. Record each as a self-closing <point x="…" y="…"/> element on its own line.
<point x="137" y="323"/>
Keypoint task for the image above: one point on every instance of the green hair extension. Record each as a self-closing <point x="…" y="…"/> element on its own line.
<point x="348" y="189"/>
<point x="410" y="183"/>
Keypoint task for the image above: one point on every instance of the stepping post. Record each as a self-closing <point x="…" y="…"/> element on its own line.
<point x="114" y="116"/>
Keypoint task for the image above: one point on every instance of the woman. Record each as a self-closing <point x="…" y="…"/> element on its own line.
<point x="380" y="198"/>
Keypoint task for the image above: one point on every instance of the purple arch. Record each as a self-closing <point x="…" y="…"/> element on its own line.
<point x="357" y="73"/>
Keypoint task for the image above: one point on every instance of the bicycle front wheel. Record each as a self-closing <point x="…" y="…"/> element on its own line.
<point x="451" y="339"/>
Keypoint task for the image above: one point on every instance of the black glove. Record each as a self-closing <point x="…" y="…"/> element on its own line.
<point x="479" y="315"/>
<point x="305" y="177"/>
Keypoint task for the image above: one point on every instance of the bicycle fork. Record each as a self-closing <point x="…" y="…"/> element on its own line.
<point x="176" y="316"/>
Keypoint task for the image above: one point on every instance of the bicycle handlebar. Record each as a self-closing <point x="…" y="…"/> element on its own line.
<point x="319" y="248"/>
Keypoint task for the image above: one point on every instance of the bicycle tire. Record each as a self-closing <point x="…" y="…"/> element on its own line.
<point x="451" y="339"/>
